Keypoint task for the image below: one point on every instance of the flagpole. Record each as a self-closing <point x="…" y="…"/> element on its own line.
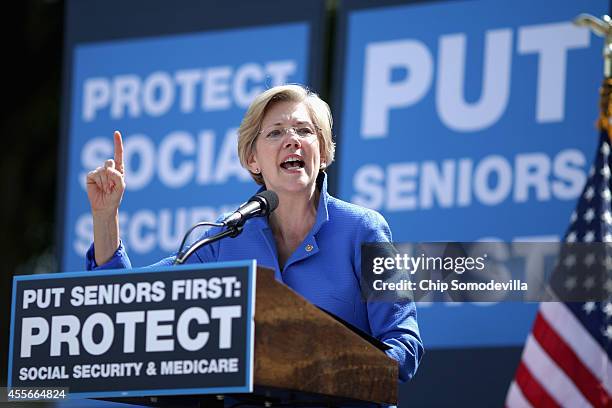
<point x="603" y="28"/>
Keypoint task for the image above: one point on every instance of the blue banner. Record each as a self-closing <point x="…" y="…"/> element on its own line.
<point x="178" y="101"/>
<point x="482" y="116"/>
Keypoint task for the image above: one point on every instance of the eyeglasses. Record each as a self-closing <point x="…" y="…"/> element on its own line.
<point x="303" y="131"/>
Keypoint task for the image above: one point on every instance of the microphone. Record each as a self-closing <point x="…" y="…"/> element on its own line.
<point x="259" y="205"/>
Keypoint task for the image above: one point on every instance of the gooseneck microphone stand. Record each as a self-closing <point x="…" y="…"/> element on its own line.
<point x="261" y="204"/>
<point x="231" y="232"/>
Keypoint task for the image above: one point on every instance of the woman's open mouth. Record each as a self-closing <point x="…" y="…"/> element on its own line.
<point x="292" y="163"/>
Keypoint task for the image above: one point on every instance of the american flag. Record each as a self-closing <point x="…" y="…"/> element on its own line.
<point x="566" y="361"/>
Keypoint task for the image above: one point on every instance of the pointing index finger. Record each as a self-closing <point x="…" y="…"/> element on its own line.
<point x="118" y="151"/>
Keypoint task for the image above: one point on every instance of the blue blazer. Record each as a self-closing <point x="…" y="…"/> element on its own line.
<point x="325" y="269"/>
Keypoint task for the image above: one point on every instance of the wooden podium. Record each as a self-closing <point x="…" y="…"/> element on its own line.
<point x="303" y="356"/>
<point x="300" y="348"/>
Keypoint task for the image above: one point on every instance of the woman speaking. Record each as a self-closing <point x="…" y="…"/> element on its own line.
<point x="312" y="241"/>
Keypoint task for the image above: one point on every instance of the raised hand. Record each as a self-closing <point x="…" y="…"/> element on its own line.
<point x="105" y="187"/>
<point x="106" y="184"/>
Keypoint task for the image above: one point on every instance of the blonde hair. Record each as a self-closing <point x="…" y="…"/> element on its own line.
<point x="251" y="124"/>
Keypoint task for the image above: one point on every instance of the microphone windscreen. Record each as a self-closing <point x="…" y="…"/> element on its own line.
<point x="271" y="199"/>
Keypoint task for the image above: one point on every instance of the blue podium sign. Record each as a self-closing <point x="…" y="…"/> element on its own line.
<point x="126" y="333"/>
